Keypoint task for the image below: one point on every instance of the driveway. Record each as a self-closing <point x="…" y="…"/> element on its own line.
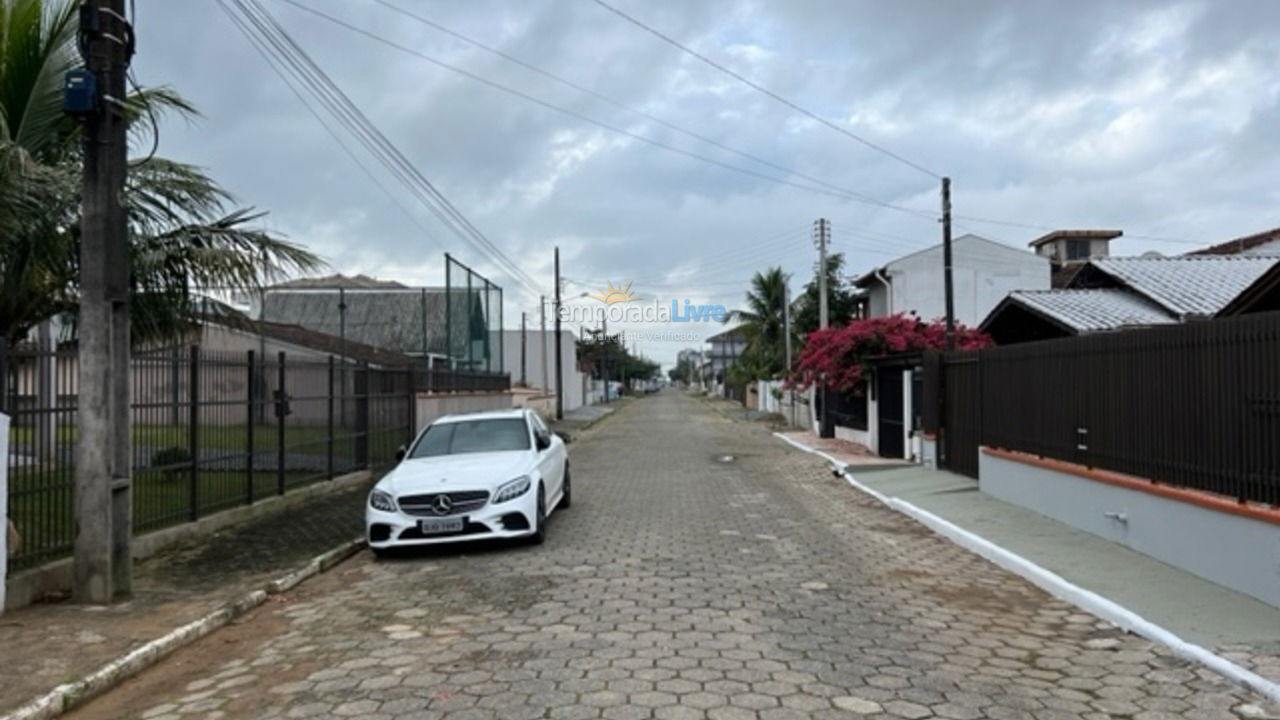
<point x="705" y="570"/>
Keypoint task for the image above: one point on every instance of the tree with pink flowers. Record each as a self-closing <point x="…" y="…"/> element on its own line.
<point x="840" y="356"/>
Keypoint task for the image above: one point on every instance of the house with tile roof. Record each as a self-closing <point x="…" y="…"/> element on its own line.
<point x="1119" y="293"/>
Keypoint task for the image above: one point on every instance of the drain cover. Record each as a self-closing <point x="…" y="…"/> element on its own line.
<point x="725" y="459"/>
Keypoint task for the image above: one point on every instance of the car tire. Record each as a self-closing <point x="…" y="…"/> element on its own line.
<point x="540" y="520"/>
<point x="381" y="553"/>
<point x="566" y="490"/>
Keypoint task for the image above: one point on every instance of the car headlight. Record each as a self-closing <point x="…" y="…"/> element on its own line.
<point x="512" y="490"/>
<point x="379" y="500"/>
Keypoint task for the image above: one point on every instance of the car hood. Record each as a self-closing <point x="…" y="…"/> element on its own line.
<point x="478" y="471"/>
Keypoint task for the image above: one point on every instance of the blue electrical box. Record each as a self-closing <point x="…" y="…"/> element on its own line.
<point x="80" y="92"/>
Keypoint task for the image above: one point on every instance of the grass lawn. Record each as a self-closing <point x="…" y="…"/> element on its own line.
<point x="218" y="437"/>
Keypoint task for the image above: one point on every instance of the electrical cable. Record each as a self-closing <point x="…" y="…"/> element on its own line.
<point x="807" y="113"/>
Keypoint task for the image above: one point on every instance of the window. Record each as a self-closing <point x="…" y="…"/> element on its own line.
<point x="472" y="436"/>
<point x="1078" y="249"/>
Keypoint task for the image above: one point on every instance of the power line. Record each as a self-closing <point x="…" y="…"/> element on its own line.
<point x="839" y="193"/>
<point x="296" y="61"/>
<point x="613" y="102"/>
<point x="807" y="113"/>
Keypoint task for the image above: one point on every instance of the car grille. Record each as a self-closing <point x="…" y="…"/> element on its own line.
<point x="425" y="505"/>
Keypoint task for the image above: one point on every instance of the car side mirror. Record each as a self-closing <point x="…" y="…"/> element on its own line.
<point x="566" y="437"/>
<point x="400" y="453"/>
<point x="543" y="441"/>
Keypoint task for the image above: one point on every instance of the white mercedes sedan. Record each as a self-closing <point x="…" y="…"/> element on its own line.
<point x="469" y="477"/>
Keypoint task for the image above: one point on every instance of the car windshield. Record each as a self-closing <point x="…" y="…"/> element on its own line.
<point x="472" y="436"/>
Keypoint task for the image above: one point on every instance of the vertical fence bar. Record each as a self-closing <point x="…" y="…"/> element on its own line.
<point x="362" y="416"/>
<point x="329" y="444"/>
<point x="281" y="400"/>
<point x="193" y="431"/>
<point x="250" y="419"/>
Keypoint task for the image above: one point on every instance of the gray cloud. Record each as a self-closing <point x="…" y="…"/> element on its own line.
<point x="1156" y="117"/>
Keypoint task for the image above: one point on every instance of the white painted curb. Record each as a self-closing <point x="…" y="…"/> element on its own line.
<point x="1059" y="586"/>
<point x="67" y="696"/>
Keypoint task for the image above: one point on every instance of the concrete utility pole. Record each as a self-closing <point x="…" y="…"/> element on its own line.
<point x="523" y="345"/>
<point x="786" y="336"/>
<point x="822" y="236"/>
<point x="542" y="314"/>
<point x="946" y="261"/>
<point x="103" y="502"/>
<point x="559" y="360"/>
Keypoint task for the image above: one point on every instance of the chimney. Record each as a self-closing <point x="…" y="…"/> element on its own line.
<point x="1074" y="247"/>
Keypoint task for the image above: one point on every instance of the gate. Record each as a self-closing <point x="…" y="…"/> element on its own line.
<point x="891" y="413"/>
<point x="961" y="430"/>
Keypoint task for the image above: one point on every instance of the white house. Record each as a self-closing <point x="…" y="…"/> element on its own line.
<point x="983" y="273"/>
<point x="885" y="416"/>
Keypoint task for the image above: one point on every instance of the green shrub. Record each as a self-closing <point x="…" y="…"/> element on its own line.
<point x="172" y="460"/>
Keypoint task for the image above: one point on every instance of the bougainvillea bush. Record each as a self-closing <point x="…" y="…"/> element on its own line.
<point x="841" y="355"/>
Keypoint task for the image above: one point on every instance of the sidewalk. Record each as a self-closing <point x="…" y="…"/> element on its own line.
<point x="52" y="643"/>
<point x="1240" y="628"/>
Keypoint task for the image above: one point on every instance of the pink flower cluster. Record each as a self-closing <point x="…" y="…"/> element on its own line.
<point x="840" y="355"/>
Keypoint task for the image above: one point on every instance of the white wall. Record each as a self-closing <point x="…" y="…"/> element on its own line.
<point x="983" y="273"/>
<point x="433" y="405"/>
<point x="534" y="349"/>
<point x="1232" y="550"/>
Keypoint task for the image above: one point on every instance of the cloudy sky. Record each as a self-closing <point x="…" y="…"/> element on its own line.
<point x="1158" y="118"/>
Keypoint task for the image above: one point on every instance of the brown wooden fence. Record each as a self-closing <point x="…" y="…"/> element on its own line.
<point x="1194" y="405"/>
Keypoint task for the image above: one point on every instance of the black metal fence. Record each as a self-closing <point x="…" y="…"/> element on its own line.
<point x="211" y="430"/>
<point x="1194" y="405"/>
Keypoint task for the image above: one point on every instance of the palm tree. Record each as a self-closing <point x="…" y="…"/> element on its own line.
<point x="762" y="323"/>
<point x="184" y="233"/>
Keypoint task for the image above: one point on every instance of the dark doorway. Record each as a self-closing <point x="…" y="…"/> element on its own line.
<point x="890" y="411"/>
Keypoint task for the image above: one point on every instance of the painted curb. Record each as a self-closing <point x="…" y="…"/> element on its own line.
<point x="1059" y="586"/>
<point x="69" y="695"/>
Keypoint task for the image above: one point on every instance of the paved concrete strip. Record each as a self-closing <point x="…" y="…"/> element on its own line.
<point x="68" y="695"/>
<point x="1061" y="587"/>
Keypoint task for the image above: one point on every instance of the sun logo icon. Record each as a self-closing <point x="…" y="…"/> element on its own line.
<point x="615" y="294"/>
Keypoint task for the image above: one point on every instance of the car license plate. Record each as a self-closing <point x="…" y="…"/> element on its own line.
<point x="436" y="526"/>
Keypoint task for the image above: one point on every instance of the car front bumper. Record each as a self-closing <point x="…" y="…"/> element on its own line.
<point x="511" y="519"/>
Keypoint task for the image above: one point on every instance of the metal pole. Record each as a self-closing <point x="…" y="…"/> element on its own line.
<point x="559" y="360"/>
<point x="946" y="260"/>
<point x="103" y="494"/>
<point x="786" y="335"/>
<point x="542" y="314"/>
<point x="523" y="347"/>
<point x="193" y="433"/>
<point x="251" y="419"/>
<point x="281" y="409"/>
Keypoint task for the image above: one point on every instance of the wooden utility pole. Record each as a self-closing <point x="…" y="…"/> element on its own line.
<point x="946" y="261"/>
<point x="559" y="360"/>
<point x="103" y="501"/>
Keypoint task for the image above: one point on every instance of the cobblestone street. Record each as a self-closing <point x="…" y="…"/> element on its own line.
<point x="705" y="570"/>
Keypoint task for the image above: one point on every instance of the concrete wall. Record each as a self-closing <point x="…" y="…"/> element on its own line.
<point x="434" y="405"/>
<point x="1237" y="552"/>
<point x="984" y="272"/>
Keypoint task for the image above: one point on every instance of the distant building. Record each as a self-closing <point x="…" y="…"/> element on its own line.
<point x="725" y="349"/>
<point x="453" y="326"/>
<point x="1266" y="242"/>
<point x="983" y="273"/>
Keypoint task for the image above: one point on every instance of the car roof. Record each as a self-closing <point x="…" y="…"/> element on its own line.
<point x="511" y="414"/>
